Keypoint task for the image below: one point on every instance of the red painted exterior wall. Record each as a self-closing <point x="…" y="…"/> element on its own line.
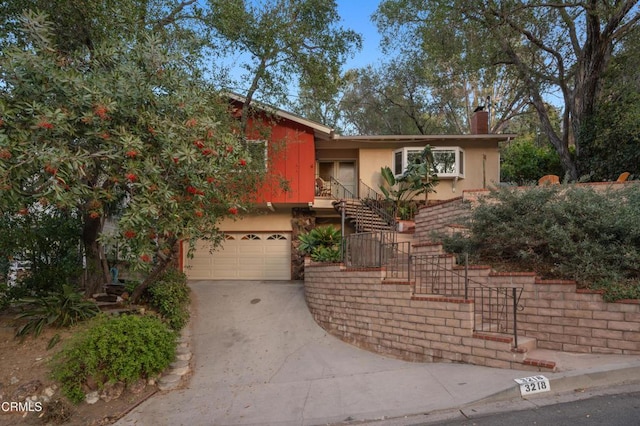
<point x="291" y="151"/>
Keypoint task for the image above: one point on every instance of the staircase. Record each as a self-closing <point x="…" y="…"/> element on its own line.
<point x="361" y="216"/>
<point x="367" y="213"/>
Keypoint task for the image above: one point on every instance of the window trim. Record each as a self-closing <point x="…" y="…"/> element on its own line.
<point x="404" y="151"/>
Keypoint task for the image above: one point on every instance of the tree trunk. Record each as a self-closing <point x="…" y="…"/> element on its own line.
<point x="159" y="268"/>
<point x="96" y="273"/>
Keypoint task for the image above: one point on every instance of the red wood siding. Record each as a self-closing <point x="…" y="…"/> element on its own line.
<point x="292" y="159"/>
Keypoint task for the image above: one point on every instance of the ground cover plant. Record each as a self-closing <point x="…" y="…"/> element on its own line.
<point x="114" y="349"/>
<point x="568" y="232"/>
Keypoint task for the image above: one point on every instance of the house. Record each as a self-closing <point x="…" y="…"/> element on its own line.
<point x="320" y="167"/>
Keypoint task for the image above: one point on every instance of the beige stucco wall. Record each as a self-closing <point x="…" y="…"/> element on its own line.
<point x="260" y="221"/>
<point x="482" y="169"/>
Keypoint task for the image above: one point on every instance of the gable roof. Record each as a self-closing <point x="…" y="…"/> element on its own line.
<point x="320" y="131"/>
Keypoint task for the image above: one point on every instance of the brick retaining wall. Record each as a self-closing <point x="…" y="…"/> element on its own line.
<point x="439" y="216"/>
<point x="361" y="307"/>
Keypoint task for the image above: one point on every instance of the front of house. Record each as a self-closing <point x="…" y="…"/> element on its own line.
<point x="310" y="168"/>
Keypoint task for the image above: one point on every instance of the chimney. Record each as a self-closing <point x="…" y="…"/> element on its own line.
<point x="480" y="122"/>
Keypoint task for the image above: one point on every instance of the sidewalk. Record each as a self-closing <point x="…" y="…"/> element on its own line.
<point x="260" y="359"/>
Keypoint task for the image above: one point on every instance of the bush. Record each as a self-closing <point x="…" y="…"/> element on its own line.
<point x="124" y="348"/>
<point x="170" y="297"/>
<point x="63" y="308"/>
<point x="562" y="232"/>
<point x="322" y="244"/>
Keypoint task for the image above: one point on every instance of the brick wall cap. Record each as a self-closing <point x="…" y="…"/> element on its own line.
<point x="549" y="282"/>
<point x="512" y="274"/>
<point x="441" y="299"/>
<point x="440" y="202"/>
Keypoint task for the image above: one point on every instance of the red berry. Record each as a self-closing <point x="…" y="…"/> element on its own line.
<point x="44" y="124"/>
<point x="199" y="143"/>
<point x="145" y="258"/>
<point x="129" y="233"/>
<point x="101" y="111"/>
<point x="243" y="162"/>
<point x="229" y="148"/>
<point x="175" y="160"/>
<point x="199" y="213"/>
<point x="233" y="210"/>
<point x="211" y="179"/>
<point x="132" y="154"/>
<point x="94" y="215"/>
<point x="132" y="177"/>
<point x="191" y="122"/>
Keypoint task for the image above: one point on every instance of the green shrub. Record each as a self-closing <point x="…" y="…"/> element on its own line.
<point x="170" y="297"/>
<point x="569" y="232"/>
<point x="322" y="244"/>
<point x="124" y="348"/>
<point x="63" y="308"/>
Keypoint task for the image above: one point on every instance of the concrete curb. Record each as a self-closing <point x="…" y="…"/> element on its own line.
<point x="571" y="386"/>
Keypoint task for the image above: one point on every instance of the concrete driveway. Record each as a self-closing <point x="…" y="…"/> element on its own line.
<point x="260" y="359"/>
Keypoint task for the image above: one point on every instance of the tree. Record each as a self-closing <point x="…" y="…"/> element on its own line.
<point x="530" y="155"/>
<point x="282" y="40"/>
<point x="392" y="99"/>
<point x="561" y="48"/>
<point x="611" y="137"/>
<point x="125" y="133"/>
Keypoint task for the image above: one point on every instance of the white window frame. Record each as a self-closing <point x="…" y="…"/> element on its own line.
<point x="403" y="155"/>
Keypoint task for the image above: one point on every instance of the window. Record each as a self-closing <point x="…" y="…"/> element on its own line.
<point x="251" y="237"/>
<point x="448" y="162"/>
<point x="276" y="237"/>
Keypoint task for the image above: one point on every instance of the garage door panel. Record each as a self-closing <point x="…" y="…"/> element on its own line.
<point x="248" y="255"/>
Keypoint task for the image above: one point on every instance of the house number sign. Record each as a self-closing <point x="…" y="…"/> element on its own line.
<point x="533" y="384"/>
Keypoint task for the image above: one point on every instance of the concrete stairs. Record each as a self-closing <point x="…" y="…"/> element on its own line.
<point x="363" y="218"/>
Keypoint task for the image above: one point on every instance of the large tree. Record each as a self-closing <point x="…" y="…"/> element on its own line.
<point x="280" y="41"/>
<point x="611" y="137"/>
<point x="120" y="131"/>
<point x="560" y="48"/>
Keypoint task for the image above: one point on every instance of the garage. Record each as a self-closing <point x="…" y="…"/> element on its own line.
<point x="243" y="256"/>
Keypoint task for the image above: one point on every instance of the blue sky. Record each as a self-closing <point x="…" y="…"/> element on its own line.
<point x="356" y="15"/>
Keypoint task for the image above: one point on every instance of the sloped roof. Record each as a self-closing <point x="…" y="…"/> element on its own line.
<point x="320" y="130"/>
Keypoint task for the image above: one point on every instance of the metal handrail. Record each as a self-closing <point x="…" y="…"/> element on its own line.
<point x="491" y="303"/>
<point x="339" y="191"/>
<point x="378" y="203"/>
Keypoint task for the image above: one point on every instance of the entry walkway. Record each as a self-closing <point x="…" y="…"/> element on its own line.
<point x="260" y="359"/>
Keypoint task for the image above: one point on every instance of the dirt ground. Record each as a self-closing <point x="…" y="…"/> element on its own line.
<point x="21" y="364"/>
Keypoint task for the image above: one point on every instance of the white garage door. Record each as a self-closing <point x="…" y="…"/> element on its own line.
<point x="243" y="256"/>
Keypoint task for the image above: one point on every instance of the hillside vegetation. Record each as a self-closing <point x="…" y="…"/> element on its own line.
<point x="564" y="231"/>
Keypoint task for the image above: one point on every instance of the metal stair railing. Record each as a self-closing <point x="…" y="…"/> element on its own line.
<point x="434" y="274"/>
<point x="360" y="213"/>
<point x="378" y="249"/>
<point x="378" y="203"/>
